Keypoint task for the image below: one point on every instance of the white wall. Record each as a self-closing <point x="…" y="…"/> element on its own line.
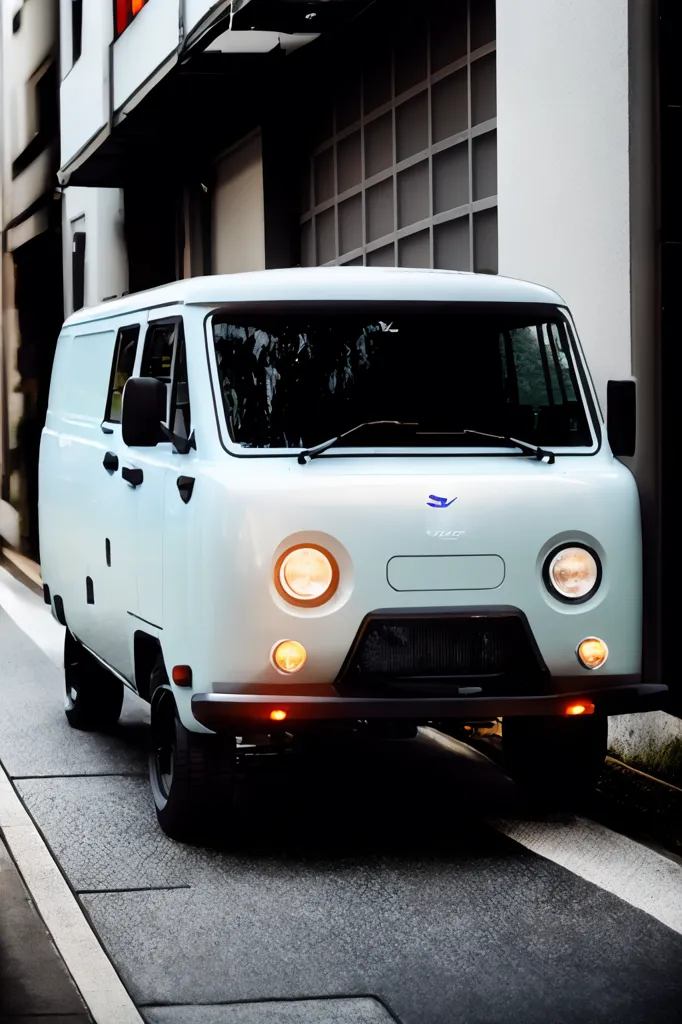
<point x="98" y="212"/>
<point x="85" y="84"/>
<point x="150" y="39"/>
<point x="238" y="211"/>
<point x="563" y="163"/>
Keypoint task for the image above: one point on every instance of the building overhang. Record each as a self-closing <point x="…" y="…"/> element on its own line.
<point x="237" y="40"/>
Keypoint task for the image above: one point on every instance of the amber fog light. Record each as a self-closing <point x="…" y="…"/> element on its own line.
<point x="592" y="653"/>
<point x="307" y="575"/>
<point x="289" y="656"/>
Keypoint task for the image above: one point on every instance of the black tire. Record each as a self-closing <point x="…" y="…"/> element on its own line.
<point x="192" y="775"/>
<point x="556" y="761"/>
<point x="93" y="697"/>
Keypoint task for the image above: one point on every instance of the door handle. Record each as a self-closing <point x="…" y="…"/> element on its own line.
<point x="133" y="476"/>
<point x="110" y="462"/>
<point x="186" y="487"/>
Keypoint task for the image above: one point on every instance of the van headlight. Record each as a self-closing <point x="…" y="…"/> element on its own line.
<point x="307" y="575"/>
<point x="572" y="573"/>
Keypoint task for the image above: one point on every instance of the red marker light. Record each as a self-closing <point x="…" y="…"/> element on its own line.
<point x="182" y="675"/>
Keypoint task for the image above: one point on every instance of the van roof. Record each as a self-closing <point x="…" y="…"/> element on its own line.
<point x="326" y="283"/>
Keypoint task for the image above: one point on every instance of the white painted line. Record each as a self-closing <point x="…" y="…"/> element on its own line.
<point x="639" y="876"/>
<point x="635" y="873"/>
<point x="100" y="986"/>
<point x="33" y="616"/>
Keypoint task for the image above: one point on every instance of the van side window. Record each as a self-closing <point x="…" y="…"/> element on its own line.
<point x="121" y="370"/>
<point x="164" y="358"/>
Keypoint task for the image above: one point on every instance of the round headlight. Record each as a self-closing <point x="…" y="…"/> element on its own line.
<point x="307" y="575"/>
<point x="573" y="573"/>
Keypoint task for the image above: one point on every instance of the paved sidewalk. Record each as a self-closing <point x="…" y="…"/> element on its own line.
<point x="35" y="986"/>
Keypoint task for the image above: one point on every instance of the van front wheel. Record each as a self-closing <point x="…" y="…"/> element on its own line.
<point x="191" y="775"/>
<point x="93" y="697"/>
<point x="556" y="761"/>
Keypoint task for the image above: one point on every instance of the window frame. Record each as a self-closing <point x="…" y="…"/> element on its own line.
<point x="114" y="366"/>
<point x="586" y="391"/>
<point x="178" y="346"/>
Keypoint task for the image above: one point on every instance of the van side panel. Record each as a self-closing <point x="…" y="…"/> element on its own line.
<point x="72" y="450"/>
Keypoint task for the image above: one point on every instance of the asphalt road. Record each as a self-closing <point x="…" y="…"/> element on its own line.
<point x="363" y="884"/>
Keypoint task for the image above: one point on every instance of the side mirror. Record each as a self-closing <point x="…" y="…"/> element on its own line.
<point x="143" y="411"/>
<point x="621" y="416"/>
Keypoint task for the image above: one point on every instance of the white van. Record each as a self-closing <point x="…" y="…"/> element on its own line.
<point x="302" y="500"/>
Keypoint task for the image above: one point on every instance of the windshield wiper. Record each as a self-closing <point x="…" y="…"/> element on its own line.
<point x="512" y="442"/>
<point x="319" y="449"/>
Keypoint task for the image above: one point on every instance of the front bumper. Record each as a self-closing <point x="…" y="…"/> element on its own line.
<point x="232" y="712"/>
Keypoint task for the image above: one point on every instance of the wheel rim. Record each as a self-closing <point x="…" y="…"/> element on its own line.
<point x="165" y="761"/>
<point x="162" y="753"/>
<point x="70" y="696"/>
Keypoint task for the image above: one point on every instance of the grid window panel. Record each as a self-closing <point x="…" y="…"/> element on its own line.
<point x="451" y="248"/>
<point x="324" y="176"/>
<point x="325" y="233"/>
<point x="413" y="194"/>
<point x="349" y="161"/>
<point x="423" y="159"/>
<point x="384" y="257"/>
<point x="450" y="106"/>
<point x="484" y="160"/>
<point x="485" y="241"/>
<point x="483" y="89"/>
<point x="412" y="126"/>
<point x="482" y="23"/>
<point x="378" y="145"/>
<point x="415" y="250"/>
<point x="350" y="224"/>
<point x="410" y="56"/>
<point x="451" y="178"/>
<point x="379" y="210"/>
<point x="448" y="34"/>
<point x="377" y="80"/>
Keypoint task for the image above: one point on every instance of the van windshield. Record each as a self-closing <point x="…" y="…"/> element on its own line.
<point x="292" y="380"/>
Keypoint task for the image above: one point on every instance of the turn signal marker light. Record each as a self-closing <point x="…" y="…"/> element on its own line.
<point x="592" y="652"/>
<point x="278" y="715"/>
<point x="182" y="675"/>
<point x="289" y="656"/>
<point x="585" y="707"/>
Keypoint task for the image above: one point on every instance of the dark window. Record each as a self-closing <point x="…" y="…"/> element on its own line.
<point x="122" y="370"/>
<point x="164" y="358"/>
<point x="76" y="29"/>
<point x="78" y="269"/>
<point x="294" y="380"/>
<point x="124" y="12"/>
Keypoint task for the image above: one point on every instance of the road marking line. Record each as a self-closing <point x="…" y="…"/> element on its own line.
<point x="627" y="869"/>
<point x="100" y="986"/>
<point x="636" y="874"/>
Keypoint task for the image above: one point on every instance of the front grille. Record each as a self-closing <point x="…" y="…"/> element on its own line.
<point x="448" y="649"/>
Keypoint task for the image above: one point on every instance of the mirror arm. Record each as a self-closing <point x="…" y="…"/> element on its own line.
<point x="182" y="445"/>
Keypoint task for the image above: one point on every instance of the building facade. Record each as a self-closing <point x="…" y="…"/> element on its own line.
<point x="527" y="138"/>
<point x="32" y="307"/>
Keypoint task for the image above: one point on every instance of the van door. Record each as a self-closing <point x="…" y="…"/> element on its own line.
<point x="114" y="553"/>
<point x="143" y="475"/>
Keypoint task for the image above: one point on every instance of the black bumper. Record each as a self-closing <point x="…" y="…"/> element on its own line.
<point x="234" y="711"/>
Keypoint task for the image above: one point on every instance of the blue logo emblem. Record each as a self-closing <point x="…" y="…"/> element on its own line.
<point x="436" y="502"/>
